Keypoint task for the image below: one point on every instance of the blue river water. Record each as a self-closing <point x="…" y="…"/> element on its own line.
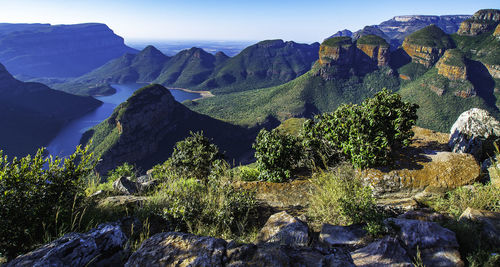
<point x="69" y="137"/>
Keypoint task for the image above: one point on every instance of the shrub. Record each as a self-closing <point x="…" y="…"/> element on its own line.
<point x="338" y="197"/>
<point x="124" y="170"/>
<point x="277" y="154"/>
<point x="366" y="133"/>
<point x="95" y="184"/>
<point x="38" y="197"/>
<point x="194" y="156"/>
<point x="246" y="173"/>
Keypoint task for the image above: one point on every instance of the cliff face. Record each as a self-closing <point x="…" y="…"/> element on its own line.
<point x="427" y="45"/>
<point x="452" y="65"/>
<point x="144" y="129"/>
<point x="494" y="70"/>
<point x="339" y="51"/>
<point x="43" y="50"/>
<point x="497" y="31"/>
<point x="375" y="47"/>
<point x="482" y="21"/>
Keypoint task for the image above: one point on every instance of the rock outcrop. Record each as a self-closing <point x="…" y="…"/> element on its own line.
<point x="496" y="33"/>
<point x="474" y="132"/>
<point x="352" y="236"/>
<point x="438" y="246"/>
<point x="494" y="70"/>
<point x="375" y="47"/>
<point x="482" y="21"/>
<point x="103" y="246"/>
<point x="44" y="50"/>
<point x="489" y="222"/>
<point x="425" y="165"/>
<point x="338" y="51"/>
<point x="427" y="45"/>
<point x="385" y="252"/>
<point x="284" y="229"/>
<point x="452" y="65"/>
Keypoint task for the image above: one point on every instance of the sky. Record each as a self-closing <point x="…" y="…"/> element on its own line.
<point x="303" y="21"/>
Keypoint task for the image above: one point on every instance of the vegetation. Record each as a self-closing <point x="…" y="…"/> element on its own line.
<point x="277" y="154"/>
<point x="371" y="39"/>
<point x="365" y="133"/>
<point x="339" y="198"/>
<point x="430" y="36"/>
<point x="40" y="198"/>
<point x="195" y="157"/>
<point x="336" y="41"/>
<point x="455" y="58"/>
<point x="439" y="112"/>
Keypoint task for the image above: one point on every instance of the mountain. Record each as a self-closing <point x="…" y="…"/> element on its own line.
<point x="189" y="68"/>
<point x="144" y="129"/>
<point x="445" y="74"/>
<point x="31" y="113"/>
<point x="144" y="66"/>
<point x="264" y="64"/>
<point x="395" y="30"/>
<point x="347" y="71"/>
<point x="44" y="50"/>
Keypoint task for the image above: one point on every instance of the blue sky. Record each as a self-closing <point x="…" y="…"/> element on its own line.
<point x="305" y="21"/>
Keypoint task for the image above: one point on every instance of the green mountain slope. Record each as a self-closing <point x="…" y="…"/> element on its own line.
<point x="144" y="129"/>
<point x="31" y="114"/>
<point x="264" y="64"/>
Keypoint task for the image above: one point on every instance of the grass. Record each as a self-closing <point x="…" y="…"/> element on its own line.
<point x="483" y="47"/>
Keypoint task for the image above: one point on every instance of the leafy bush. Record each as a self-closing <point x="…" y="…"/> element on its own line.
<point x="338" y="197"/>
<point x="95" y="184"/>
<point x="38" y="197"/>
<point x="365" y="133"/>
<point x="246" y="173"/>
<point x="277" y="154"/>
<point x="195" y="156"/>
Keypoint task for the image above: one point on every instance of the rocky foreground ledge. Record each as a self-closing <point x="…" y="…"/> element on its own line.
<point x="283" y="241"/>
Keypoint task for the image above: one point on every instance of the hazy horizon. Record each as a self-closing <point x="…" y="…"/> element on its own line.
<point x="224" y="20"/>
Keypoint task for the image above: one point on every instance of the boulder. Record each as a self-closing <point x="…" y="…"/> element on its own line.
<point x="179" y="249"/>
<point x="284" y="229"/>
<point x="385" y="252"/>
<point x="438" y="246"/>
<point x="252" y="255"/>
<point x="338" y="258"/>
<point x="474" y="132"/>
<point x="125" y="186"/>
<point x="348" y="236"/>
<point x="102" y="246"/>
<point x="423" y="166"/>
<point x="490" y="223"/>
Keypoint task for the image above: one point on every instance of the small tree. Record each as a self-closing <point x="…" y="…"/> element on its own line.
<point x="365" y="133"/>
<point x="195" y="156"/>
<point x="277" y="154"/>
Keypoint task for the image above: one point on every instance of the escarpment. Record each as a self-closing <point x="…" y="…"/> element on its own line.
<point x="482" y="21"/>
<point x="426" y="46"/>
<point x="452" y="65"/>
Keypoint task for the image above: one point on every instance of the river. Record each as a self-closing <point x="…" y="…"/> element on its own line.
<point x="69" y="137"/>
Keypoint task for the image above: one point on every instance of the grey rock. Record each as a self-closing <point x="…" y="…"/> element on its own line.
<point x="284" y="229"/>
<point x="473" y="133"/>
<point x="179" y="249"/>
<point x="148" y="186"/>
<point x="385" y="252"/>
<point x="103" y="246"/>
<point x="490" y="223"/>
<point x="437" y="245"/>
<point x="349" y="236"/>
<point x="339" y="258"/>
<point x="125" y="186"/>
<point x="252" y="255"/>
<point x="422" y="216"/>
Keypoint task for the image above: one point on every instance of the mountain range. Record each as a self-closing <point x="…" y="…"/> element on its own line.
<point x="44" y="50"/>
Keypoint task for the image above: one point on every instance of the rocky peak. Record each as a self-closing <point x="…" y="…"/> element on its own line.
<point x="341" y="33"/>
<point x="482" y="21"/>
<point x="427" y="45"/>
<point x="371" y="30"/>
<point x="151" y="51"/>
<point x="375" y="47"/>
<point x="271" y="44"/>
<point x="452" y="65"/>
<point x="336" y="51"/>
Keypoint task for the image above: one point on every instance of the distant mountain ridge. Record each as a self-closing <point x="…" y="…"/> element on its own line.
<point x="31" y="114"/>
<point x="44" y="50"/>
<point x="397" y="28"/>
<point x="264" y="64"/>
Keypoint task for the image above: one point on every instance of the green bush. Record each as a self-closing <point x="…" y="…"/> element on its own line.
<point x="39" y="197"/>
<point x="195" y="156"/>
<point x="338" y="197"/>
<point x="277" y="154"/>
<point x="246" y="173"/>
<point x="365" y="133"/>
<point x="95" y="184"/>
